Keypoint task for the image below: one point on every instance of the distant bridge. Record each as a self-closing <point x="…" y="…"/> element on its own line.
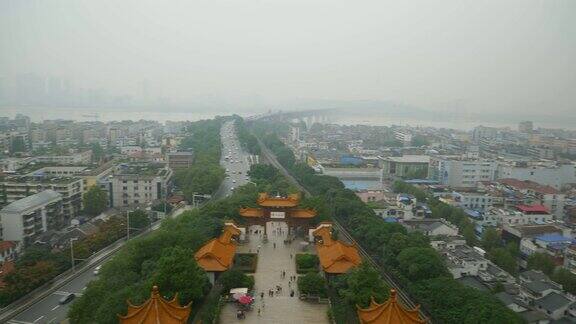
<point x="308" y="117"/>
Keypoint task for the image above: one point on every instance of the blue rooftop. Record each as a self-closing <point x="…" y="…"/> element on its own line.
<point x="390" y="220"/>
<point x="553" y="238"/>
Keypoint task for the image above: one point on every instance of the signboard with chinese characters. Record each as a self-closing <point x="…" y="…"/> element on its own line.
<point x="277" y="214"/>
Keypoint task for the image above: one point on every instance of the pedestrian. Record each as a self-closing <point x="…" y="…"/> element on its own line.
<point x="289" y="284"/>
<point x="274" y="244"/>
<point x="292" y="293"/>
<point x="284" y="274"/>
<point x="258" y="311"/>
<point x="290" y="255"/>
<point x="262" y="294"/>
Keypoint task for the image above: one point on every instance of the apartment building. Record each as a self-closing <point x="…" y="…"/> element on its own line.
<point x="456" y="171"/>
<point x="27" y="217"/>
<point x="137" y="184"/>
<point x="14" y="188"/>
<point x="530" y="192"/>
<point x="84" y="157"/>
<point x="469" y="199"/>
<point x="546" y="173"/>
<point x="407" y="166"/>
<point x="180" y="160"/>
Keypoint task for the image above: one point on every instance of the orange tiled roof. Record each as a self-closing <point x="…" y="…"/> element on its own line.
<point x="390" y="312"/>
<point x="303" y="213"/>
<point x="251" y="212"/>
<point x="335" y="256"/>
<point x="218" y="253"/>
<point x="265" y="200"/>
<point x="156" y="310"/>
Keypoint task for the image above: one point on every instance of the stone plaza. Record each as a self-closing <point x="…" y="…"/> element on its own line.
<point x="272" y="261"/>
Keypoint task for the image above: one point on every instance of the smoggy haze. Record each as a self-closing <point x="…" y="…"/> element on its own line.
<point x="439" y="55"/>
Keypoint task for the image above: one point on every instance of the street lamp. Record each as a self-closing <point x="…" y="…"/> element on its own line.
<point x="72" y="239"/>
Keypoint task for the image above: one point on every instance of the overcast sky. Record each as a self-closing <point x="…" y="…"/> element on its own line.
<point x="463" y="54"/>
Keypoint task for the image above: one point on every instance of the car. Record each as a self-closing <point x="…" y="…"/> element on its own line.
<point x="233" y="181"/>
<point x="97" y="270"/>
<point x="232" y="189"/>
<point x="66" y="299"/>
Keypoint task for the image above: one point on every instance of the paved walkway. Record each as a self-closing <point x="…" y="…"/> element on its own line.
<point x="271" y="262"/>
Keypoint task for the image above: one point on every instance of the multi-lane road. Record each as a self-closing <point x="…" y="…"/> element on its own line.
<point x="234" y="159"/>
<point x="48" y="310"/>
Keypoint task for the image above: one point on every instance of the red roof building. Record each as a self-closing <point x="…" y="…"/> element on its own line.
<point x="534" y="209"/>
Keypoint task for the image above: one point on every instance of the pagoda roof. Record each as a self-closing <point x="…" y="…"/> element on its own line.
<point x="303" y="213"/>
<point x="389" y="312"/>
<point x="251" y="212"/>
<point x="218" y="253"/>
<point x="265" y="200"/>
<point x="157" y="310"/>
<point x="335" y="256"/>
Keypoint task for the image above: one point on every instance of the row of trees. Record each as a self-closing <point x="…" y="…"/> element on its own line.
<point x="408" y="256"/>
<point x="206" y="174"/>
<point x="40" y="264"/>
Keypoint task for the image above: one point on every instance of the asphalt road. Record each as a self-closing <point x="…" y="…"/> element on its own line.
<point x="234" y="160"/>
<point x="48" y="309"/>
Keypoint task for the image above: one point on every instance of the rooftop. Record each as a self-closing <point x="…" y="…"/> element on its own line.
<point x="553" y="301"/>
<point x="389" y="312"/>
<point x="527" y="184"/>
<point x="33" y="201"/>
<point x="218" y="253"/>
<point x="409" y="159"/>
<point x="157" y="310"/>
<point x="335" y="256"/>
<point x="534" y="209"/>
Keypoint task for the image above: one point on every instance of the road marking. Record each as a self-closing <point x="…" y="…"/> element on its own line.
<point x="55" y="307"/>
<point x="39" y="318"/>
<point x="18" y="322"/>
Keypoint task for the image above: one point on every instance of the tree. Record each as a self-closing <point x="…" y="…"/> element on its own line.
<point x="177" y="271"/>
<point x="418" y="263"/>
<point x="490" y="239"/>
<point x="362" y="284"/>
<point x="97" y="152"/>
<point x="95" y="201"/>
<point x="312" y="284"/>
<point x="542" y="262"/>
<point x="504" y="259"/>
<point x="235" y="279"/>
<point x="138" y="219"/>
<point x="470" y="235"/>
<point x="566" y="278"/>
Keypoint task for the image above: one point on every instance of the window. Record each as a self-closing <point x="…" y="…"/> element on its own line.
<point x="124" y="181"/>
<point x="124" y="188"/>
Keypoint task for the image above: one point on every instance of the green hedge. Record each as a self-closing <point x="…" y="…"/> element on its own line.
<point x="306" y="262"/>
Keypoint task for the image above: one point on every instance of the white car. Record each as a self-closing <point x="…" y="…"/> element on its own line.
<point x="97" y="270"/>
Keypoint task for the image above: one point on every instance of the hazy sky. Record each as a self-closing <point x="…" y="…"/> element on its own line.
<point x="462" y="54"/>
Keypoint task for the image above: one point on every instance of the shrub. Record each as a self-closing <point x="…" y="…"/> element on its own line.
<point x="306" y="262"/>
<point x="312" y="284"/>
<point x="235" y="279"/>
